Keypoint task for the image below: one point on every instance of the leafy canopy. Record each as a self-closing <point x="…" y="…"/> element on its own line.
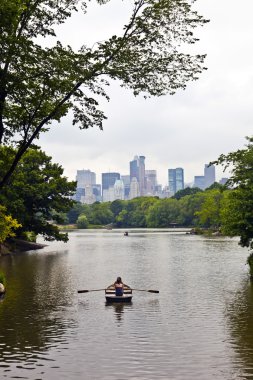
<point x="38" y="193"/>
<point x="39" y="85"/>
<point x="237" y="217"/>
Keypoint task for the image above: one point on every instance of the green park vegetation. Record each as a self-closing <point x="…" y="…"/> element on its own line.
<point x="200" y="209"/>
<point x="37" y="194"/>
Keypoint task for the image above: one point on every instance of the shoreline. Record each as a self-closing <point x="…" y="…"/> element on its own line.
<point x="18" y="246"/>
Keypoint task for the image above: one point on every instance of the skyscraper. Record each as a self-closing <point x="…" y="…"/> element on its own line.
<point x="85" y="177"/>
<point x="176" y="180"/>
<point x="137" y="170"/>
<point x="134" y="188"/>
<point x="151" y="181"/>
<point x="209" y="174"/>
<point x="119" y="189"/>
<point x="108" y="180"/>
<point x="86" y="181"/>
<point x="199" y="181"/>
<point x="126" y="181"/>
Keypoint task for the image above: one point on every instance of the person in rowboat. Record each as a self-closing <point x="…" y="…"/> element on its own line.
<point x="119" y="287"/>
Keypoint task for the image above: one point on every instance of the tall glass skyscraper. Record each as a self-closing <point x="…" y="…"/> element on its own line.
<point x="108" y="180"/>
<point x="209" y="174"/>
<point x="137" y="170"/>
<point x="176" y="180"/>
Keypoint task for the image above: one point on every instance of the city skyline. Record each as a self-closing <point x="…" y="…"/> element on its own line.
<point x="114" y="170"/>
<point x="139" y="181"/>
<point x="193" y="127"/>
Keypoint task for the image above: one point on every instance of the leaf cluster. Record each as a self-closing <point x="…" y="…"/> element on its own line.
<point x="38" y="193"/>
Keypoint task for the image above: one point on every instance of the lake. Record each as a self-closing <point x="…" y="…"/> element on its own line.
<point x="200" y="325"/>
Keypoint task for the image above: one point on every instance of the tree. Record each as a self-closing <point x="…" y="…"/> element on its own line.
<point x="82" y="222"/>
<point x="237" y="219"/>
<point x="7" y="226"/>
<point x="100" y="213"/>
<point x="187" y="191"/>
<point x="78" y="209"/>
<point x="163" y="213"/>
<point x="39" y="85"/>
<point x="188" y="206"/>
<point x="209" y="214"/>
<point x="38" y="193"/>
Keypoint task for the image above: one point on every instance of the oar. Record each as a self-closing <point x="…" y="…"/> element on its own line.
<point x="144" y="290"/>
<point x="91" y="290"/>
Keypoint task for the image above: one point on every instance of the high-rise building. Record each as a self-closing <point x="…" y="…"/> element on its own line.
<point x="89" y="197"/>
<point x="209" y="174"/>
<point x="176" y="180"/>
<point x="134" y="188"/>
<point x="223" y="181"/>
<point x="87" y="190"/>
<point x="126" y="181"/>
<point x="108" y="180"/>
<point x="80" y="192"/>
<point x="85" y="177"/>
<point x="199" y="181"/>
<point x="119" y="190"/>
<point x="151" y="181"/>
<point x="137" y="170"/>
<point x="96" y="189"/>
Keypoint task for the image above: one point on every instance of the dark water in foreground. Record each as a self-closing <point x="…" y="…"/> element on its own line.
<point x="200" y="325"/>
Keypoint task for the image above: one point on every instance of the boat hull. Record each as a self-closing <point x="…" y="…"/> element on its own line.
<point x="113" y="298"/>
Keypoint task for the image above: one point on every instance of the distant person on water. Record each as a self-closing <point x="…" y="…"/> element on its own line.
<point x="2" y="288"/>
<point x="119" y="287"/>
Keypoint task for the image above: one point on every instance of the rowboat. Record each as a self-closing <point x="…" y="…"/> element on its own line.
<point x="110" y="295"/>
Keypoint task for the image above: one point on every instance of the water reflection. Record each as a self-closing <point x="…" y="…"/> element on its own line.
<point x="31" y="314"/>
<point x="118" y="308"/>
<point x="239" y="315"/>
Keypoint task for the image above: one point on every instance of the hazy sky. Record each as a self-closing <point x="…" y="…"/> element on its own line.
<point x="212" y="116"/>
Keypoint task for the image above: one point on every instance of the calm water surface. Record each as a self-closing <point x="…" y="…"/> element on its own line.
<point x="200" y="325"/>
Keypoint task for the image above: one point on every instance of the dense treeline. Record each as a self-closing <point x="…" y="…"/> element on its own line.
<point x="188" y="208"/>
<point x="37" y="194"/>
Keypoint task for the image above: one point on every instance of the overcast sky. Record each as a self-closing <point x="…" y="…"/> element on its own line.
<point x="212" y="116"/>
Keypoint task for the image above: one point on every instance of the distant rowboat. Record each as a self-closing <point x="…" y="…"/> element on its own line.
<point x="110" y="295"/>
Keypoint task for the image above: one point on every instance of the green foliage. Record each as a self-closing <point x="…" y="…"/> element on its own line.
<point x="209" y="214"/>
<point x="187" y="191"/>
<point x="203" y="209"/>
<point x="7" y="225"/>
<point x="163" y="213"/>
<point x="100" y="214"/>
<point x="76" y="210"/>
<point x="189" y="206"/>
<point x="117" y="206"/>
<point x="37" y="193"/>
<point x="82" y="222"/>
<point x="237" y="219"/>
<point x="39" y="84"/>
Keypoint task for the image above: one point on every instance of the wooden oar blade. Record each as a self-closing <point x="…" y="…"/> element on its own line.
<point x="145" y="290"/>
<point x="91" y="290"/>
